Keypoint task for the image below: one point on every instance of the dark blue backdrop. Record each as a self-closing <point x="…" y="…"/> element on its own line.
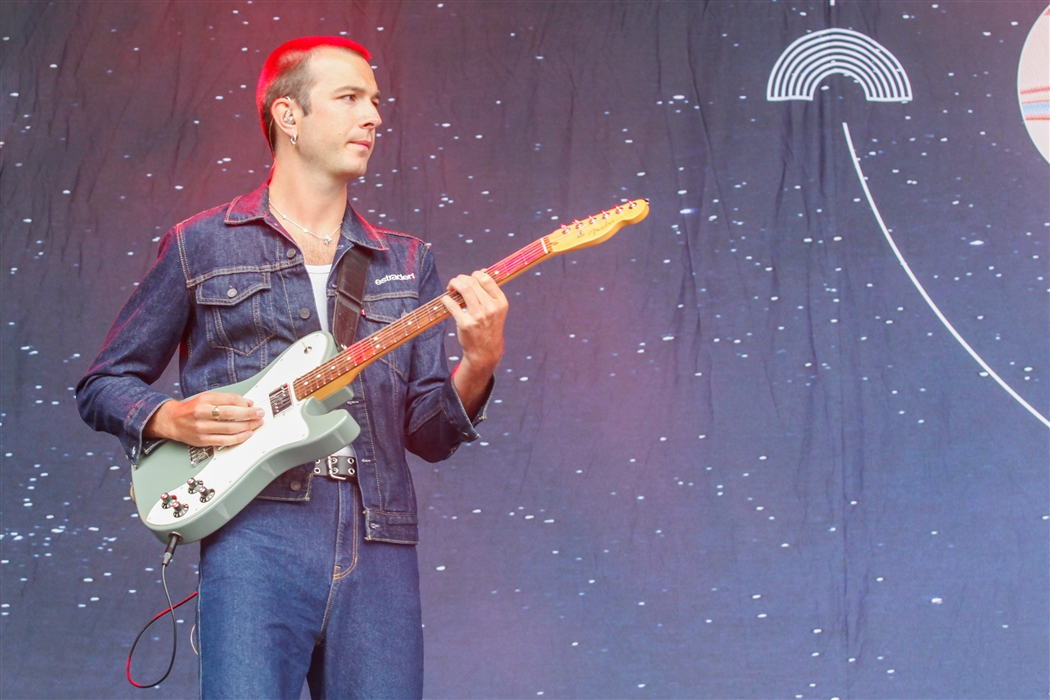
<point x="734" y="452"/>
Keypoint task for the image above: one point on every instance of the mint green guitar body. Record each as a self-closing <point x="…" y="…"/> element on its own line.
<point x="192" y="491"/>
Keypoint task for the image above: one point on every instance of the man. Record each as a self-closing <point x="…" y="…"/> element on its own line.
<point x="317" y="577"/>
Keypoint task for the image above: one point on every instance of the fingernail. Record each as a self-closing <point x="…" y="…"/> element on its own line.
<point x="260" y="413"/>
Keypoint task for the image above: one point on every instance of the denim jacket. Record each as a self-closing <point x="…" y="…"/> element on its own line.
<point x="230" y="290"/>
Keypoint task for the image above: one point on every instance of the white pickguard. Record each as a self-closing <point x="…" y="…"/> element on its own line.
<point x="230" y="464"/>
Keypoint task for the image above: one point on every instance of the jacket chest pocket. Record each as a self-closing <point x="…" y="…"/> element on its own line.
<point x="237" y="310"/>
<point x="378" y="314"/>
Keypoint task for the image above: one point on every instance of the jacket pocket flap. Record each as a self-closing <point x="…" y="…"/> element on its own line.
<point x="231" y="289"/>
<point x="389" y="307"/>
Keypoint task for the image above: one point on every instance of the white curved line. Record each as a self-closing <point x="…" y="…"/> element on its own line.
<point x="828" y="55"/>
<point x="793" y="75"/>
<point x="873" y="91"/>
<point x="776" y="76"/>
<point x="878" y="69"/>
<point x="922" y="291"/>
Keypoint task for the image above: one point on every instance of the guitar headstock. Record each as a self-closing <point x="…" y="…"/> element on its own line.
<point x="597" y="228"/>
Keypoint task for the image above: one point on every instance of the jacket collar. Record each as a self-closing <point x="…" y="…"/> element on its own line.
<point x="256" y="207"/>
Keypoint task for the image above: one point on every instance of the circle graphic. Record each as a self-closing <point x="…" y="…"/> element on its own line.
<point x="1033" y="83"/>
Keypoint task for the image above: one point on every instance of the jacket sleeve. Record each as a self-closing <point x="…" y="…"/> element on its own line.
<point x="115" y="395"/>
<point x="436" y="423"/>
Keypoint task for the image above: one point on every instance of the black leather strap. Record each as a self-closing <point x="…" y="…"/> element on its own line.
<point x="350" y="294"/>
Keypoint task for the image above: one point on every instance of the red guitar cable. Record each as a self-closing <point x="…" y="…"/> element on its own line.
<point x="173" y="542"/>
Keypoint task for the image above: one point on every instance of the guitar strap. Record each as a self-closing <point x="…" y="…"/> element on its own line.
<point x="350" y="294"/>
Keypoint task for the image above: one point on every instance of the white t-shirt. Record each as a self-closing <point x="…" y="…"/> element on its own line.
<point x="319" y="282"/>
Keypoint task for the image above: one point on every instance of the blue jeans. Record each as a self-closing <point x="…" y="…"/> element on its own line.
<point x="291" y="590"/>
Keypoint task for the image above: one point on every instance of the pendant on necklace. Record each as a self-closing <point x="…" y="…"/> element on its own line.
<point x="327" y="240"/>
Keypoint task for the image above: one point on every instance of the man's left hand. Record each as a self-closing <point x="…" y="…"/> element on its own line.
<point x="479" y="327"/>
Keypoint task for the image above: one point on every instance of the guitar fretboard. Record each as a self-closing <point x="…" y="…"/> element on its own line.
<point x="333" y="374"/>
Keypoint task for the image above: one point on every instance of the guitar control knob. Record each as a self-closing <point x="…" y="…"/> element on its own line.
<point x="166" y="499"/>
<point x="207" y="494"/>
<point x="192" y="484"/>
<point x="179" y="509"/>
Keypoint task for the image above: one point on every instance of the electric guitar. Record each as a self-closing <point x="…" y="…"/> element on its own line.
<point x="193" y="491"/>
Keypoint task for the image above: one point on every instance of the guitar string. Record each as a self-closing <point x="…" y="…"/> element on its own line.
<point x="366" y="348"/>
<point x="389" y="337"/>
<point x="386" y="338"/>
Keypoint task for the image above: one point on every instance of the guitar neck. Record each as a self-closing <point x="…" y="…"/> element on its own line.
<point x="336" y="373"/>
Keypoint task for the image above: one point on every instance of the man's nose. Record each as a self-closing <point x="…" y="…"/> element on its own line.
<point x="371" y="118"/>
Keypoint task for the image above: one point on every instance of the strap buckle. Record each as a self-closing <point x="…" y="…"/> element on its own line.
<point x="332" y="461"/>
<point x="338" y="467"/>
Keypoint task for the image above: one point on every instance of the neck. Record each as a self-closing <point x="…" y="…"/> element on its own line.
<point x="309" y="198"/>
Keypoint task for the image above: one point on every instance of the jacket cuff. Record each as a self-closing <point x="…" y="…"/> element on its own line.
<point x="135" y="445"/>
<point x="457" y="414"/>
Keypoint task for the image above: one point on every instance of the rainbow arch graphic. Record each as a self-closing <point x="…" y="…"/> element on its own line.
<point x="809" y="59"/>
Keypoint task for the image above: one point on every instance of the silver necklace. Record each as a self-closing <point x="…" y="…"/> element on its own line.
<point x="326" y="239"/>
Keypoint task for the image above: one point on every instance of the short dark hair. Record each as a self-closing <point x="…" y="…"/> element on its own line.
<point x="286" y="74"/>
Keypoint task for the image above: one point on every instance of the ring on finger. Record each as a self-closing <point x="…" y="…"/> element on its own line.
<point x="215" y="412"/>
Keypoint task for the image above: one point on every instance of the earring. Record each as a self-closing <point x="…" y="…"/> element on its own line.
<point x="295" y="137"/>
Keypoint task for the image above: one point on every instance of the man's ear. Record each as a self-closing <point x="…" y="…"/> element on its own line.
<point x="285" y="114"/>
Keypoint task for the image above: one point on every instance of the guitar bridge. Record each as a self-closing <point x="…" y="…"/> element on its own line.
<point x="280" y="399"/>
<point x="199" y="454"/>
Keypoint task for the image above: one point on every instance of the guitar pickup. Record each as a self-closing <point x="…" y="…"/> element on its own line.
<point x="280" y="399"/>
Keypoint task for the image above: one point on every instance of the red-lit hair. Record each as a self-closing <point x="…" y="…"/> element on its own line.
<point x="286" y="74"/>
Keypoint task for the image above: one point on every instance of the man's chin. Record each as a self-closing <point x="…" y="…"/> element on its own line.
<point x="352" y="173"/>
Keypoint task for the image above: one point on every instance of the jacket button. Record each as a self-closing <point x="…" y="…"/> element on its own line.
<point x="290" y="253"/>
<point x="231" y="292"/>
<point x="304" y="313"/>
<point x="295" y="486"/>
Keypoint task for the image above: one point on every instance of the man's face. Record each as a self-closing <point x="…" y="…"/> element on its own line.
<point x="339" y="133"/>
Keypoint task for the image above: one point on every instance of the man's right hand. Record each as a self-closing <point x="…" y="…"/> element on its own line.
<point x="211" y="419"/>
